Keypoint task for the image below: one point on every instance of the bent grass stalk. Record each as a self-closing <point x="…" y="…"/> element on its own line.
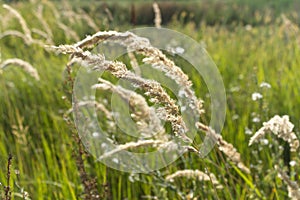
<point x="23" y="64"/>
<point x="279" y="126"/>
<point x="152" y="88"/>
<point x="194" y="174"/>
<point x="144" y="116"/>
<point x="293" y="187"/>
<point x="225" y="147"/>
<point x="27" y="33"/>
<point x="136" y="101"/>
<point x="97" y="105"/>
<point x="130" y="145"/>
<point x="40" y="17"/>
<point x="153" y="56"/>
<point x="21" y="20"/>
<point x="282" y="128"/>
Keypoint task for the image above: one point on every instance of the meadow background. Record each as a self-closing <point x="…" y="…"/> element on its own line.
<point x="251" y="42"/>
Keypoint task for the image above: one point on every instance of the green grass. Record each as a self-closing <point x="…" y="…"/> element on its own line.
<point x="44" y="154"/>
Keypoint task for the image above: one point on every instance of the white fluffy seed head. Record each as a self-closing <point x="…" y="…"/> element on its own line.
<point x="282" y="128"/>
<point x="27" y="67"/>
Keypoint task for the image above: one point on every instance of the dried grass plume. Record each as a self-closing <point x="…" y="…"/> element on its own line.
<point x="280" y="127"/>
<point x="23" y="64"/>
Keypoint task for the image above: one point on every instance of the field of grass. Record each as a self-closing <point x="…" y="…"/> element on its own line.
<point x="46" y="153"/>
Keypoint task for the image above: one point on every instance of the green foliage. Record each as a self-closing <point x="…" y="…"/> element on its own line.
<point x="32" y="127"/>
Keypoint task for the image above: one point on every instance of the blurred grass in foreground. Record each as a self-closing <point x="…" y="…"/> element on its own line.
<point x="32" y="127"/>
